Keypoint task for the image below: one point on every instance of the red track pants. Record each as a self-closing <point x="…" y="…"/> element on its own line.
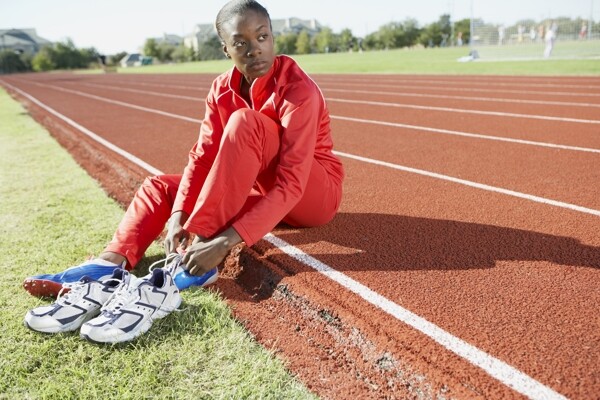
<point x="254" y="167"/>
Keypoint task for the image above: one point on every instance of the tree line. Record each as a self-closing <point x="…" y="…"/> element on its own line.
<point x="394" y="35"/>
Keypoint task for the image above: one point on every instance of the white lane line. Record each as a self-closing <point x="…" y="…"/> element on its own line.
<point x="477" y="185"/>
<point x="477" y="90"/>
<point x="119" y="103"/>
<point x="367" y="121"/>
<point x="460" y="110"/>
<point x="466" y="134"/>
<point x="122" y="89"/>
<point x="89" y="133"/>
<point x="496" y="368"/>
<point x="469" y="98"/>
<point x="140" y="83"/>
<point x="484" y="82"/>
<point x="456" y="180"/>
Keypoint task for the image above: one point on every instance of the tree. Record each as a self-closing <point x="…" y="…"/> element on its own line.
<point x="286" y="43"/>
<point x="303" y="43"/>
<point x="437" y="33"/>
<point x="151" y="48"/>
<point x="325" y="41"/>
<point x="12" y="62"/>
<point x="115" y="58"/>
<point x="464" y="27"/>
<point x="210" y="49"/>
<point x="43" y="60"/>
<point x="347" y="41"/>
<point x="165" y="51"/>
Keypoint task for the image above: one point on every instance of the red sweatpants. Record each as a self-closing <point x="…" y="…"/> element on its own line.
<point x="252" y="162"/>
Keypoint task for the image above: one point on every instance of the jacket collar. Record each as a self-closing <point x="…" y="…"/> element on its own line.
<point x="261" y="88"/>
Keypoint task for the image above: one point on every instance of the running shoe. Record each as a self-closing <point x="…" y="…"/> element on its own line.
<point x="133" y="307"/>
<point x="77" y="303"/>
<point x="183" y="279"/>
<point x="49" y="285"/>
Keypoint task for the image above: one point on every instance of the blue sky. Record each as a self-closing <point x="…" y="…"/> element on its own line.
<point x="123" y="25"/>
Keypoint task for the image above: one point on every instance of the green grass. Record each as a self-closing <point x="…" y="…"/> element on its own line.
<point x="53" y="215"/>
<point x="412" y="61"/>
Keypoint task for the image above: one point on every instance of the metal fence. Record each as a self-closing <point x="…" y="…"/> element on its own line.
<point x="527" y="38"/>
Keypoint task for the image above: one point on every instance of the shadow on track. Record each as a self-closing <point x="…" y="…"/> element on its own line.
<point x="392" y="242"/>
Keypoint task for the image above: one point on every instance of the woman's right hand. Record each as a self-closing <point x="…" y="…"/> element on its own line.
<point x="176" y="235"/>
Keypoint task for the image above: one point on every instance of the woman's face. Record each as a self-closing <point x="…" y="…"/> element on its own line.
<point x="249" y="42"/>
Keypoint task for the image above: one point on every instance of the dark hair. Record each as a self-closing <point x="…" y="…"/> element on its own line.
<point x="238" y="7"/>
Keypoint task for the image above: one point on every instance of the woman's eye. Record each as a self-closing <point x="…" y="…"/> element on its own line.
<point x="263" y="37"/>
<point x="238" y="44"/>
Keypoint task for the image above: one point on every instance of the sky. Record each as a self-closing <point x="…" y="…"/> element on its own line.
<point x="112" y="26"/>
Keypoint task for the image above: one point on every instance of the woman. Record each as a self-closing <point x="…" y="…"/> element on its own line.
<point x="264" y="155"/>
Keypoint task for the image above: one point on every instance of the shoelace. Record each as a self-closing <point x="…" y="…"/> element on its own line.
<point x="126" y="293"/>
<point x="170" y="263"/>
<point x="74" y="293"/>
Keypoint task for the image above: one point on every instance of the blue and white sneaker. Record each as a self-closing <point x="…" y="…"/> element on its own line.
<point x="77" y="303"/>
<point x="49" y="285"/>
<point x="133" y="307"/>
<point x="183" y="279"/>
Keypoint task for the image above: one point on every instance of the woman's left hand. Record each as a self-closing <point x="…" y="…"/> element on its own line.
<point x="204" y="255"/>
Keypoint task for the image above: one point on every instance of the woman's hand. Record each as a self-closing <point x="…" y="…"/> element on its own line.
<point x="204" y="255"/>
<point x="176" y="235"/>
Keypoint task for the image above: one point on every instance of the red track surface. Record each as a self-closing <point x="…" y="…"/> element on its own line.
<point x="515" y="275"/>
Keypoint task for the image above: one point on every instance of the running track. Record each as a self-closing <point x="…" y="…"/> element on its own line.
<point x="465" y="261"/>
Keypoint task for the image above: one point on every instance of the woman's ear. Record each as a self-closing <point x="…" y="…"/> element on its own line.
<point x="226" y="52"/>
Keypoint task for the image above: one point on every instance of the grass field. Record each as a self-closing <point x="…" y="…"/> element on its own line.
<point x="53" y="215"/>
<point x="405" y="61"/>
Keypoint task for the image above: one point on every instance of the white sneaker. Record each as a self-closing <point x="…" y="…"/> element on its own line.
<point x="133" y="307"/>
<point x="77" y="303"/>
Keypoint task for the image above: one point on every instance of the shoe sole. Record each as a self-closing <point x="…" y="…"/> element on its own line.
<point x="43" y="287"/>
<point x="73" y="326"/>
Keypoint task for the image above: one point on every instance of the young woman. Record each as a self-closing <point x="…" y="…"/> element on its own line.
<point x="264" y="155"/>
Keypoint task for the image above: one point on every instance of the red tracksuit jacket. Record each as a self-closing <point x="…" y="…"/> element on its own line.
<point x="294" y="101"/>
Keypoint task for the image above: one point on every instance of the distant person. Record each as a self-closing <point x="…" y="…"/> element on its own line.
<point x="520" y="33"/>
<point x="264" y="155"/>
<point x="459" y="39"/>
<point x="540" y="34"/>
<point x="532" y="34"/>
<point x="500" y="35"/>
<point x="583" y="31"/>
<point x="550" y="38"/>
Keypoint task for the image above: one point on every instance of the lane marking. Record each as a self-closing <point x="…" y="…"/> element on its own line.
<point x="496" y="368"/>
<point x="466" y="134"/>
<point x="484" y="82"/>
<point x="375" y="122"/>
<point x="119" y="103"/>
<point x="87" y="132"/>
<point x="460" y="110"/>
<point x="122" y="89"/>
<point x="432" y="174"/>
<point x="478" y="90"/>
<point x="470" y="98"/>
<point x="477" y="185"/>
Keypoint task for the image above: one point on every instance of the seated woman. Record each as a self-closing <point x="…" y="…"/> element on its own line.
<point x="264" y="155"/>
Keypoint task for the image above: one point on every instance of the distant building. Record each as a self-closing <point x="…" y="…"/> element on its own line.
<point x="135" y="60"/>
<point x="200" y="34"/>
<point x="295" y="25"/>
<point x="173" y="40"/>
<point x="24" y="41"/>
<point x="204" y="32"/>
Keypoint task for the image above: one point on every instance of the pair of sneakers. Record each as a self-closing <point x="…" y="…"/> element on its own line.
<point x="116" y="309"/>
